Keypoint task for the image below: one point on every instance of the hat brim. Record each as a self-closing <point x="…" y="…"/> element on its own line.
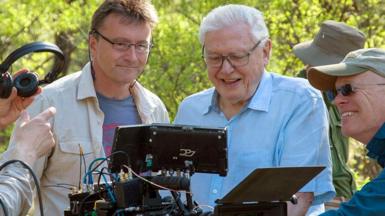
<point x="312" y="55"/>
<point x="324" y="77"/>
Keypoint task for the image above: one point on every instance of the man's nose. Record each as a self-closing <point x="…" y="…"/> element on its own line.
<point x="227" y="67"/>
<point x="339" y="99"/>
<point x="130" y="53"/>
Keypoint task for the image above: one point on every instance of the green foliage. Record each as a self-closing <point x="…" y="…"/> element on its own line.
<point x="4" y="137"/>
<point x="365" y="169"/>
<point x="361" y="180"/>
<point x="175" y="68"/>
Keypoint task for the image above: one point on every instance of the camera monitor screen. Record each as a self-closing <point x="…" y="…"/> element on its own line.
<point x="171" y="147"/>
<point x="132" y="140"/>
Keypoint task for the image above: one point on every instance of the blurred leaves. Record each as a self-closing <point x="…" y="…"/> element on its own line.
<point x="363" y="167"/>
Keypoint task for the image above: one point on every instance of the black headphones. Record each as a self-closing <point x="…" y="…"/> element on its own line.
<point x="27" y="83"/>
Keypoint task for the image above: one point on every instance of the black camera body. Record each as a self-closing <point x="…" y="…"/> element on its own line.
<point x="174" y="153"/>
<point x="133" y="197"/>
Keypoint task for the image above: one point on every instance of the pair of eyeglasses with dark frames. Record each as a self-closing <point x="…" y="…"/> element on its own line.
<point x="347" y="89"/>
<point x="234" y="60"/>
<point x="123" y="46"/>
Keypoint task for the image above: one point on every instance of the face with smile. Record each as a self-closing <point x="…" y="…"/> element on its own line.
<point x="363" y="111"/>
<point x="235" y="85"/>
<point x="113" y="66"/>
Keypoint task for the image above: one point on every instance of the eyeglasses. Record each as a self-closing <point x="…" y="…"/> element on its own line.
<point x="235" y="60"/>
<point x="347" y="90"/>
<point x="141" y="48"/>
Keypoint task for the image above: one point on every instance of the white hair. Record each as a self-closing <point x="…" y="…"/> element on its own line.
<point x="233" y="14"/>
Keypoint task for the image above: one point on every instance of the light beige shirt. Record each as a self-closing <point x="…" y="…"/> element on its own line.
<point x="78" y="122"/>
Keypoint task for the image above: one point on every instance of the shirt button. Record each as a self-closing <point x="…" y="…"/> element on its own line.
<point x="215" y="191"/>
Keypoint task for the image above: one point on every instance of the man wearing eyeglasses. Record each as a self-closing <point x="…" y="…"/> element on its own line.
<point x="272" y="120"/>
<point x="358" y="87"/>
<point x="333" y="41"/>
<point x="103" y="95"/>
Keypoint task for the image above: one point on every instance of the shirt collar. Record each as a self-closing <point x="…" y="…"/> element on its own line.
<point x="214" y="102"/>
<point x="209" y="102"/>
<point x="86" y="87"/>
<point x="259" y="101"/>
<point x="262" y="97"/>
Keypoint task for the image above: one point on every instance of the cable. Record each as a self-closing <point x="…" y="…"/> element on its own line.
<point x="178" y="202"/>
<point x="109" y="191"/>
<point x="4" y="208"/>
<point x="129" y="209"/>
<point x="81" y="203"/>
<point x="108" y="187"/>
<point x="117" y="212"/>
<point x="154" y="184"/>
<point x="104" y="173"/>
<point x="89" y="172"/>
<point x="80" y="168"/>
<point x="36" y="181"/>
<point x="66" y="184"/>
<point x="207" y="206"/>
<point x="59" y="186"/>
<point x="85" y="164"/>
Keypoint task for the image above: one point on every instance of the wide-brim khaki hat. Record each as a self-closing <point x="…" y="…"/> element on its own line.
<point x="359" y="61"/>
<point x="333" y="41"/>
<point x="311" y="54"/>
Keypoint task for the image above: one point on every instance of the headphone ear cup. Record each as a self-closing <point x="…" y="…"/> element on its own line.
<point x="5" y="85"/>
<point x="26" y="84"/>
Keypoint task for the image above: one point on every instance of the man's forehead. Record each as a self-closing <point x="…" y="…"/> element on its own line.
<point x="116" y="18"/>
<point x="237" y="32"/>
<point x="365" y="77"/>
<point x="228" y="44"/>
<point x="342" y="79"/>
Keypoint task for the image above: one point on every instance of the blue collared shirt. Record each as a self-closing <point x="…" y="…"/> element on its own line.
<point x="284" y="124"/>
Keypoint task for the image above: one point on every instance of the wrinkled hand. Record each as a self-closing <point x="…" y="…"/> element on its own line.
<point x="10" y="108"/>
<point x="34" y="137"/>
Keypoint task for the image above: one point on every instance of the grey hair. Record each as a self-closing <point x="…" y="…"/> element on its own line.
<point x="233" y="14"/>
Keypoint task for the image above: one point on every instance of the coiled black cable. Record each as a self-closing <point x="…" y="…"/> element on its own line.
<point x="34" y="179"/>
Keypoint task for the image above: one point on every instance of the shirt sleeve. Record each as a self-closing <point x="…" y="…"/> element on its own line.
<point x="23" y="201"/>
<point x="368" y="201"/>
<point x="304" y="142"/>
<point x="15" y="190"/>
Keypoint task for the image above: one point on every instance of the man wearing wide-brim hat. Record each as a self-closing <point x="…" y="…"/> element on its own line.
<point x="358" y="84"/>
<point x="333" y="41"/>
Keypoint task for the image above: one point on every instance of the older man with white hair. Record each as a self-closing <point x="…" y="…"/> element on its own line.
<point x="272" y="120"/>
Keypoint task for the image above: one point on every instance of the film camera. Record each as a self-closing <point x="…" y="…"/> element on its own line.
<point x="174" y="153"/>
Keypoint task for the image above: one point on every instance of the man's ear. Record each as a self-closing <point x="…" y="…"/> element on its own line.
<point x="92" y="44"/>
<point x="267" y="52"/>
